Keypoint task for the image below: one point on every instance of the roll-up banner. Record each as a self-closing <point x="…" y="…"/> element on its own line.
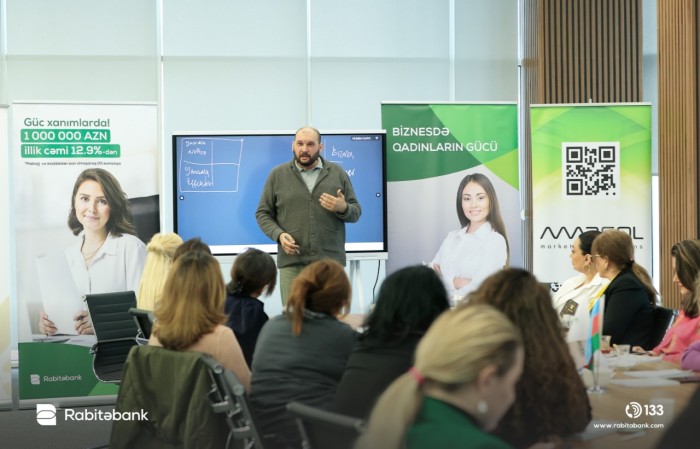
<point x="453" y="199"/>
<point x="86" y="200"/>
<point x="591" y="170"/>
<point x="5" y="340"/>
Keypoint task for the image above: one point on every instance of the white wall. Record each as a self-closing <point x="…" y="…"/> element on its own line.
<point x="216" y="65"/>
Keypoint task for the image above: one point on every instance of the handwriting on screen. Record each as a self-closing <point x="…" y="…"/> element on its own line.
<point x="210" y="164"/>
<point x="344" y="158"/>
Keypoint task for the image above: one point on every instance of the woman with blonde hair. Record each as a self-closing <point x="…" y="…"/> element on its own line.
<point x="159" y="259"/>
<point x="301" y="355"/>
<point x="190" y="316"/>
<point x="462" y="382"/>
<point x="630" y="297"/>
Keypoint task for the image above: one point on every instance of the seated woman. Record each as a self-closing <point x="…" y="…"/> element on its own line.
<point x="630" y="297"/>
<point x="462" y="383"/>
<point x="190" y="316"/>
<point x="572" y="298"/>
<point x="301" y="355"/>
<point x="408" y="302"/>
<point x="159" y="258"/>
<point x="253" y="273"/>
<point x="551" y="398"/>
<point x="685" y="331"/>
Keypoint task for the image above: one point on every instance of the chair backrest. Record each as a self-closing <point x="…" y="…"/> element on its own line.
<point x="172" y="389"/>
<point x="229" y="397"/>
<point x="110" y="315"/>
<point x="145" y="214"/>
<point x="144" y="321"/>
<point x="663" y="318"/>
<point x="115" y="331"/>
<point x="321" y="429"/>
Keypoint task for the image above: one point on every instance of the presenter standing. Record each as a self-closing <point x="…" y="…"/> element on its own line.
<point x="304" y="207"/>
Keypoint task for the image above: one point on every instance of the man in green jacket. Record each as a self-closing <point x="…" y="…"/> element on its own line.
<point x="304" y="207"/>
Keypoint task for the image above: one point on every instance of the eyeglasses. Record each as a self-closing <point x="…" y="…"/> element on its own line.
<point x="596" y="255"/>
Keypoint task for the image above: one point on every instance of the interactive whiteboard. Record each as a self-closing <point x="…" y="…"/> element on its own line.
<point x="218" y="179"/>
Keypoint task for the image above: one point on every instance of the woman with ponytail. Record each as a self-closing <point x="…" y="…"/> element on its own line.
<point x="630" y="297"/>
<point x="301" y="355"/>
<point x="463" y="381"/>
<point x="159" y="258"/>
<point x="253" y="273"/>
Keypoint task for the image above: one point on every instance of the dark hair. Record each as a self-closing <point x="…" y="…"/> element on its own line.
<point x="409" y="301"/>
<point x="618" y="247"/>
<point x="252" y="270"/>
<point x="585" y="241"/>
<point x="321" y="287"/>
<point x="193" y="244"/>
<point x="549" y="373"/>
<point x="119" y="213"/>
<point x="494" y="216"/>
<point x="687" y="257"/>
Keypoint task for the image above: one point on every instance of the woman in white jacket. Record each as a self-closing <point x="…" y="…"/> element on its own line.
<point x="571" y="301"/>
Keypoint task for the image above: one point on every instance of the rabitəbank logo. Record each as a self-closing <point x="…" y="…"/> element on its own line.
<point x="46" y="414"/>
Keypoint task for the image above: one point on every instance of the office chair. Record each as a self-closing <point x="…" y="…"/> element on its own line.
<point x="145" y="214"/>
<point x="321" y="429"/>
<point x="228" y="396"/>
<point x="663" y="318"/>
<point x="144" y="321"/>
<point x="115" y="330"/>
<point x="190" y="399"/>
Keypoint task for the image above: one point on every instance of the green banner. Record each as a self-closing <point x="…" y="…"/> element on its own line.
<point x="59" y="370"/>
<point x="432" y="149"/>
<point x="591" y="170"/>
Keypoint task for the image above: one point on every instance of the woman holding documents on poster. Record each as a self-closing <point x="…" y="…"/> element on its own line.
<point x="480" y="247"/>
<point x="107" y="257"/>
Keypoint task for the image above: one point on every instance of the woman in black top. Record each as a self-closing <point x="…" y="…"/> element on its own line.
<point x="408" y="302"/>
<point x="630" y="297"/>
<point x="253" y="273"/>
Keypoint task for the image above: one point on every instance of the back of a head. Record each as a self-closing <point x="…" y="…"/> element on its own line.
<point x="409" y="300"/>
<point x="159" y="259"/>
<point x="462" y="342"/>
<point x="193" y="301"/>
<point x="193" y="244"/>
<point x="456" y="348"/>
<point x="321" y="287"/>
<point x="252" y="271"/>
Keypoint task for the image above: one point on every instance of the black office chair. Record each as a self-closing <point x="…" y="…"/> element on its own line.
<point x="228" y="396"/>
<point x="321" y="429"/>
<point x="145" y="214"/>
<point x="115" y="330"/>
<point x="663" y="318"/>
<point x="144" y="321"/>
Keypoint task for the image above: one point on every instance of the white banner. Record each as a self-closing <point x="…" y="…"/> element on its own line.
<point x="52" y="145"/>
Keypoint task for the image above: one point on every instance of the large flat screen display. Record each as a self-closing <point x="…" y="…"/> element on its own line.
<point x="218" y="179"/>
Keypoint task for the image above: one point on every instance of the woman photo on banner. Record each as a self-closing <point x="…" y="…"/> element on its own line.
<point x="477" y="249"/>
<point x="107" y="257"/>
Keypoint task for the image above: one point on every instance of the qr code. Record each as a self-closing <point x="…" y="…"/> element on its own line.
<point x="591" y="169"/>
